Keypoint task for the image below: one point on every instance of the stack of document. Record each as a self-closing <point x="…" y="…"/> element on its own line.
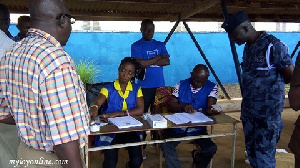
<point x="183" y="118"/>
<point x="125" y="122"/>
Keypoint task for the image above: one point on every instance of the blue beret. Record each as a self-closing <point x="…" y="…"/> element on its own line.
<point x="234" y="20"/>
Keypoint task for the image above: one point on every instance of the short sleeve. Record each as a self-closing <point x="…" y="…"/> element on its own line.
<point x="164" y="50"/>
<point x="104" y="91"/>
<point x="214" y="92"/>
<point x="140" y="93"/>
<point x="135" y="51"/>
<point x="176" y="90"/>
<point x="281" y="59"/>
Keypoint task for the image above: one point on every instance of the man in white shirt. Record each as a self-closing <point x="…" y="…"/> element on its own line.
<point x="9" y="140"/>
<point x="5" y="42"/>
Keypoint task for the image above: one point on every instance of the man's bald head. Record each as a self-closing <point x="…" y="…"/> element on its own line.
<point x="199" y="76"/>
<point x="201" y="69"/>
<point x="45" y="10"/>
<point x="50" y="16"/>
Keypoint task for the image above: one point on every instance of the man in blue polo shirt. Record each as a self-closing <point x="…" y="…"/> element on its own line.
<point x="152" y="55"/>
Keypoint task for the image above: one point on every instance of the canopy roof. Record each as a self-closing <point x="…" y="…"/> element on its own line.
<point x="170" y="10"/>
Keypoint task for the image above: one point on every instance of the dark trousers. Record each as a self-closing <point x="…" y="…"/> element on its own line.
<point x="261" y="137"/>
<point x="149" y="96"/>
<point x="134" y="152"/>
<point x="202" y="158"/>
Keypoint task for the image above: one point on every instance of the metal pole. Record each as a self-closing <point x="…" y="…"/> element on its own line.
<point x="205" y="59"/>
<point x="232" y="45"/>
<point x="233" y="146"/>
<point x="173" y="29"/>
<point x="211" y="132"/>
<point x="296" y="48"/>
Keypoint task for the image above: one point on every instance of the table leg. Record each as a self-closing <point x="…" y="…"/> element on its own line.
<point x="211" y="132"/>
<point x="233" y="146"/>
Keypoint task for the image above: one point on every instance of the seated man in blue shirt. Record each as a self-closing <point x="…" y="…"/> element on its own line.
<point x="196" y="93"/>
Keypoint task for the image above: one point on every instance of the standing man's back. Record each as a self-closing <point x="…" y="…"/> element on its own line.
<point x="43" y="92"/>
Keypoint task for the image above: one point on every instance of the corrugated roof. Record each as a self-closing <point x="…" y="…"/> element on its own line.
<point x="169" y="10"/>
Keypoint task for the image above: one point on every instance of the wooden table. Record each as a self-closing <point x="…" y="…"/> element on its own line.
<point x="218" y="119"/>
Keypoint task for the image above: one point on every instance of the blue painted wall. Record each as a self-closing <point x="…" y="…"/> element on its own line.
<point x="107" y="49"/>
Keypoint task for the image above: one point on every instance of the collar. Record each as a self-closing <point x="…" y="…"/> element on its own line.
<point x="145" y="40"/>
<point x="41" y="34"/>
<point x="118" y="87"/>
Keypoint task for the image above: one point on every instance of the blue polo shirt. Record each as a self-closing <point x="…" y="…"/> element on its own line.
<point x="154" y="76"/>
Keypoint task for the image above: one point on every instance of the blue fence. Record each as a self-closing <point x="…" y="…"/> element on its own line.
<point x="107" y="49"/>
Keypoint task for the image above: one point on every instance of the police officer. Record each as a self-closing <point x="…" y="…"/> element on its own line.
<point x="266" y="68"/>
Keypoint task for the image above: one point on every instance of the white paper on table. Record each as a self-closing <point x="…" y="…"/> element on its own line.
<point x="125" y="122"/>
<point x="182" y="118"/>
<point x="102" y="124"/>
<point x="177" y="118"/>
<point x="197" y="117"/>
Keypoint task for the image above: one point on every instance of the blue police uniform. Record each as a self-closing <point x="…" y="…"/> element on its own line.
<point x="263" y="98"/>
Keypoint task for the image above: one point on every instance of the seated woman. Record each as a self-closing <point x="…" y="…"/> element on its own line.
<point x="123" y="98"/>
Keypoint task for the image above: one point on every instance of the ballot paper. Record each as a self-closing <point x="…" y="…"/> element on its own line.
<point x="125" y="122"/>
<point x="183" y="118"/>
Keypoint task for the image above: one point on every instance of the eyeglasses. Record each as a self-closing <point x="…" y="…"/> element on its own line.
<point x="72" y="19"/>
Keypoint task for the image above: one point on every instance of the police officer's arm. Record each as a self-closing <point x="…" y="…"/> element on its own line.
<point x="294" y="93"/>
<point x="174" y="106"/>
<point x="287" y="74"/>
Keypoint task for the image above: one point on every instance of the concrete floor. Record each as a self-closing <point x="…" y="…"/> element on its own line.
<point x="222" y="159"/>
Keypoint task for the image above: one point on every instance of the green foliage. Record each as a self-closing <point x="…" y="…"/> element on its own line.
<point x="287" y="87"/>
<point x="87" y="71"/>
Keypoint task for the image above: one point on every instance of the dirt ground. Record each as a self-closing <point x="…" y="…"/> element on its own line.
<point x="234" y="91"/>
